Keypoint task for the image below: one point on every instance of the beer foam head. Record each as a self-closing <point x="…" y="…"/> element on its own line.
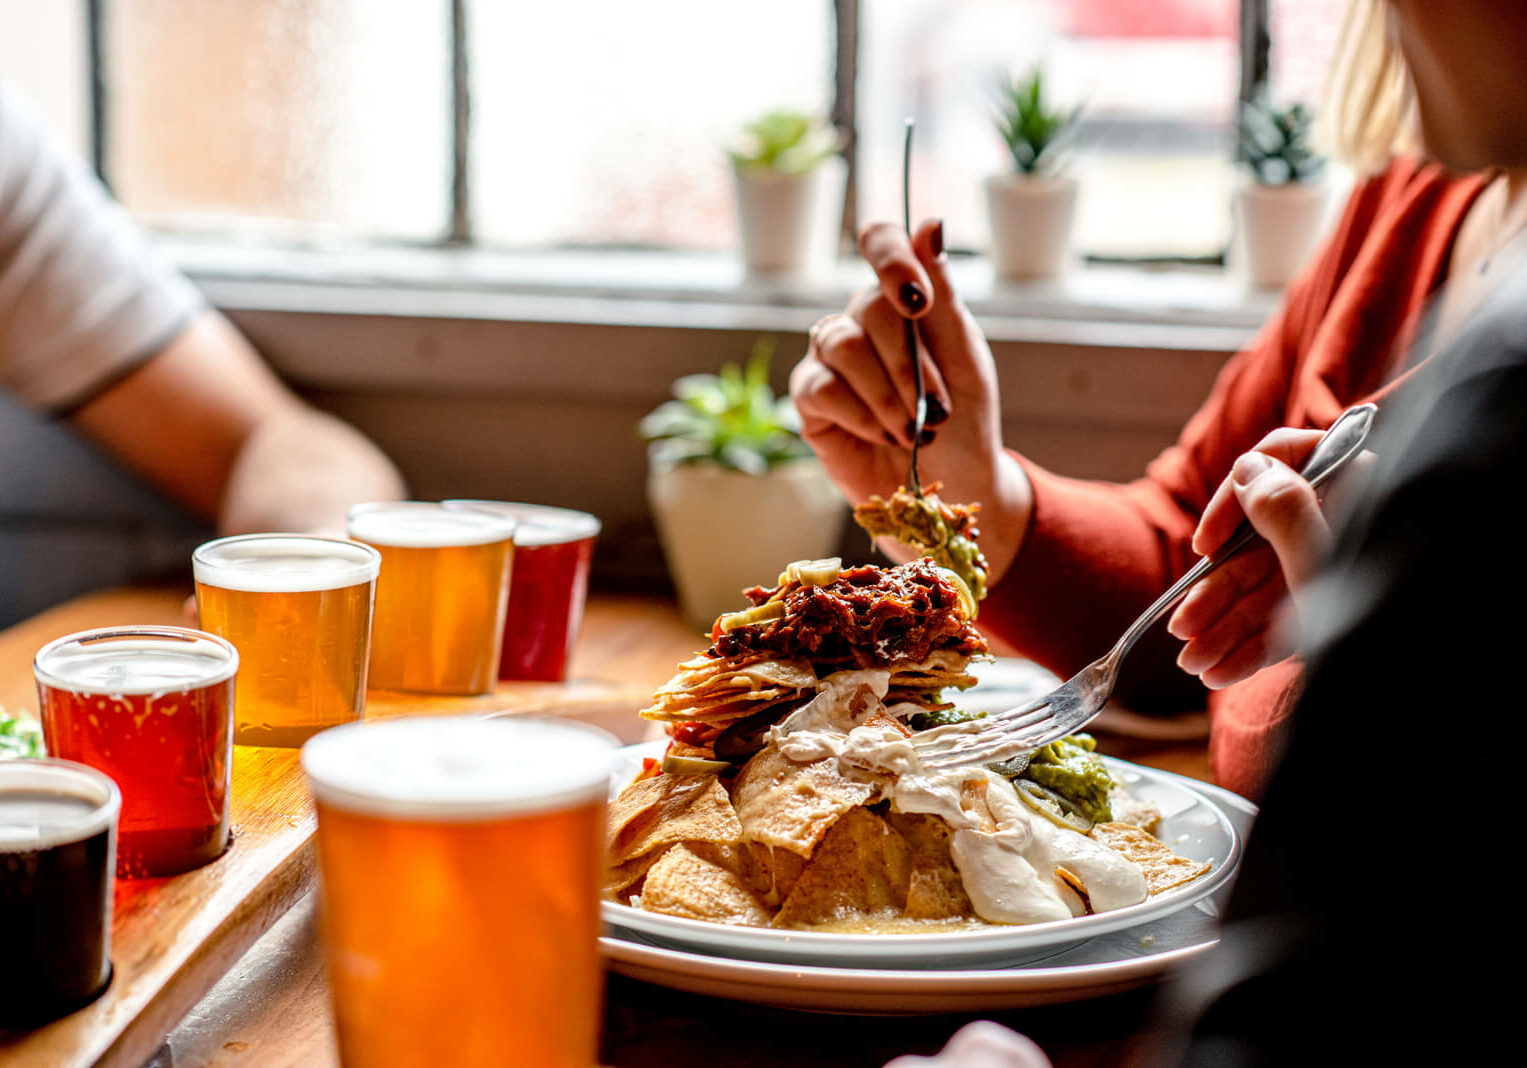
<point x="426" y="525"/>
<point x="538" y="524"/>
<point x="284" y="563"/>
<point x="459" y="767"/>
<point x="135" y="660"/>
<point x="46" y="803"/>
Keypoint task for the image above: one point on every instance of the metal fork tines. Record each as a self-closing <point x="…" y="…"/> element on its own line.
<point x="1012" y="734"/>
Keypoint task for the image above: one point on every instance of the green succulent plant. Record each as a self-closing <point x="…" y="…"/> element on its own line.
<point x="732" y="419"/>
<point x="1030" y="125"/>
<point x="1275" y="143"/>
<point x="786" y="142"/>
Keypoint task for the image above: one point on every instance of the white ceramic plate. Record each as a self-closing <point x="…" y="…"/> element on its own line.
<point x="1192" y="824"/>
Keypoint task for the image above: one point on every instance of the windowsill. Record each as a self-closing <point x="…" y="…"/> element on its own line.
<point x="1178" y="308"/>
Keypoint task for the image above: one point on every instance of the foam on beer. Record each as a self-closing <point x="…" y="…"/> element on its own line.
<point x="154" y="661"/>
<point x="423" y="525"/>
<point x="47" y="803"/>
<point x="284" y="563"/>
<point x="458" y="767"/>
<point x="538" y="524"/>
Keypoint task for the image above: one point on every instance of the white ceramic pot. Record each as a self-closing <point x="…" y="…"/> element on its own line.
<point x="724" y="531"/>
<point x="1276" y="227"/>
<point x="1030" y="219"/>
<point x="789" y="222"/>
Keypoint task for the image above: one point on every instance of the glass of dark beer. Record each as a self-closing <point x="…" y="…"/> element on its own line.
<point x="58" y="836"/>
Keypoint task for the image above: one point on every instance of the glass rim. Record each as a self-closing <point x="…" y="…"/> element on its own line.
<point x="42" y="775"/>
<point x="365" y="566"/>
<point x="225" y="671"/>
<point x="501" y="529"/>
<point x="366" y="787"/>
<point x="568" y="524"/>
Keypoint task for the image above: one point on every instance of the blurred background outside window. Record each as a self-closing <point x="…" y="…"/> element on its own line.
<point x="602" y="123"/>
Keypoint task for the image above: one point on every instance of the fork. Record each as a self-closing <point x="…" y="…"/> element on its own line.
<point x="1017" y="732"/>
<point x="920" y="411"/>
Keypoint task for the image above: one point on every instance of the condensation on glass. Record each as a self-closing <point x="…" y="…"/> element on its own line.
<point x="605" y="122"/>
<point x="301" y="118"/>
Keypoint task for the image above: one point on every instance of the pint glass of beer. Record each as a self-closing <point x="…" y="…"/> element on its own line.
<point x="553" y="548"/>
<point x="298" y="609"/>
<point x="58" y="832"/>
<point x="460" y="861"/>
<point x="152" y="707"/>
<point x="440" y="597"/>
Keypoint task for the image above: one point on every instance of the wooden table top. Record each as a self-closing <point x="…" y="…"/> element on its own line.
<point x="270" y="1006"/>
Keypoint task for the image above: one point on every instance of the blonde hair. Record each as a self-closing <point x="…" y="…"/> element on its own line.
<point x="1369" y="112"/>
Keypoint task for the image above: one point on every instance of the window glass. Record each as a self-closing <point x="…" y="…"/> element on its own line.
<point x="604" y="122"/>
<point x="304" y="118"/>
<point x="43" y="57"/>
<point x="1157" y="80"/>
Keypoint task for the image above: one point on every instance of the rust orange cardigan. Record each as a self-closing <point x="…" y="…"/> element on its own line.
<point x="1104" y="550"/>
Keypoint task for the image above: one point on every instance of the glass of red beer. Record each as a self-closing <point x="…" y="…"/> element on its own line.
<point x="553" y="548"/>
<point x="152" y="707"/>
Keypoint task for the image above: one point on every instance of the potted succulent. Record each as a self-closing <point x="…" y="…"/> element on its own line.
<point x="1031" y="207"/>
<point x="789" y="180"/>
<point x="1279" y="209"/>
<point x="735" y="492"/>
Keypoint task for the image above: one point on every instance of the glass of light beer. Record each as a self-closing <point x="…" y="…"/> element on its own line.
<point x="553" y="550"/>
<point x="440" y="597"/>
<point x="152" y="707"/>
<point x="460" y="861"/>
<point x="298" y="609"/>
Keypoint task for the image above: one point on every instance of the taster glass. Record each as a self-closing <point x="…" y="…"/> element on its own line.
<point x="58" y="833"/>
<point x="553" y="549"/>
<point x="460" y="861"/>
<point x="298" y="609"/>
<point x="440" y="597"/>
<point x="152" y="707"/>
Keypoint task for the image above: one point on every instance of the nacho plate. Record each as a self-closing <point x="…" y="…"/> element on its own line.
<point x="1192" y="824"/>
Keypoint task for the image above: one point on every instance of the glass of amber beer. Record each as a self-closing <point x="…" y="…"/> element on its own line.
<point x="298" y="609"/>
<point x="553" y="549"/>
<point x="460" y="860"/>
<point x="153" y="708"/>
<point x="440" y="597"/>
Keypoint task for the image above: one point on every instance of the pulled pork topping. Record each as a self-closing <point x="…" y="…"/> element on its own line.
<point x="870" y="616"/>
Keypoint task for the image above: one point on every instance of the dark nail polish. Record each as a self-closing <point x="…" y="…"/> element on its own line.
<point x="936" y="238"/>
<point x="912" y="297"/>
<point x="926" y="439"/>
<point x="936" y="412"/>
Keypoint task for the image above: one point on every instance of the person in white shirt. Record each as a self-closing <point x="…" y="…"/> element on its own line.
<point x="97" y="333"/>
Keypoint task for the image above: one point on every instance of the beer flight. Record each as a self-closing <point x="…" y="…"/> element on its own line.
<point x="139" y="724"/>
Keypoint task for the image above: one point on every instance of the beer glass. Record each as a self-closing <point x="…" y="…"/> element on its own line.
<point x="440" y="597"/>
<point x="153" y="708"/>
<point x="298" y="609"/>
<point x="553" y="548"/>
<point x="58" y="831"/>
<point x="460" y="861"/>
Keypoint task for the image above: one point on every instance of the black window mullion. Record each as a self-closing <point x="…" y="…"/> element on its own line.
<point x="1256" y="49"/>
<point x="845" y="107"/>
<point x="95" y="43"/>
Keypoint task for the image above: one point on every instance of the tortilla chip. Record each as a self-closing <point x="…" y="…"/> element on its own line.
<point x="935" y="890"/>
<point x="683" y="883"/>
<point x="656" y="812"/>
<point x="790" y="806"/>
<point x="621" y="879"/>
<point x="862" y="868"/>
<point x="1162" y="868"/>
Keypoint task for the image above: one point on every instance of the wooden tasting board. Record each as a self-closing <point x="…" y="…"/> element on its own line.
<point x="173" y="938"/>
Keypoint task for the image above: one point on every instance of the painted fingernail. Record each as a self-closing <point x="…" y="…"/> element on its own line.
<point x="936" y="239"/>
<point x="1248" y="467"/>
<point x="926" y="439"/>
<point x="936" y="412"/>
<point x="912" y="296"/>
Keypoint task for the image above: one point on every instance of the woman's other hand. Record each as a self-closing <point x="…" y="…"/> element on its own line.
<point x="856" y="393"/>
<point x="1236" y="621"/>
<point x="982" y="1044"/>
